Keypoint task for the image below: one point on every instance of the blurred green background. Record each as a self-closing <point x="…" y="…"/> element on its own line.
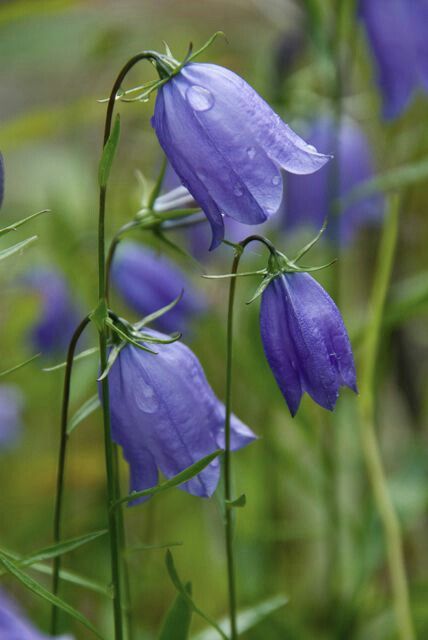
<point x="310" y="529"/>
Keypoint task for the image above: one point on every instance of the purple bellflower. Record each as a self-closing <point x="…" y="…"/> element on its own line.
<point x="227" y="145"/>
<point x="305" y="341"/>
<point x="15" y="626"/>
<point x="165" y="416"/>
<point x="308" y="199"/>
<point x="148" y="281"/>
<point x="59" y="314"/>
<point x="397" y="34"/>
<point x="1" y="180"/>
<point x="11" y="405"/>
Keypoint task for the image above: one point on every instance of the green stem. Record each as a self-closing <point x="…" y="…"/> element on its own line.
<point x="370" y="445"/>
<point x="61" y="464"/>
<point x="115" y="522"/>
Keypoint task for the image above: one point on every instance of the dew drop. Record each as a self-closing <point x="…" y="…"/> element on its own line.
<point x="251" y="152"/>
<point x="276" y="180"/>
<point x="146" y="398"/>
<point x="199" y="98"/>
<point x="238" y="190"/>
<point x="310" y="147"/>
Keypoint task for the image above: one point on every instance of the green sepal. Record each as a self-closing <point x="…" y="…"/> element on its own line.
<point x="100" y="314"/>
<point x="311" y="243"/>
<point x="160" y="312"/>
<point x="205" y="46"/>
<point x="112" y="356"/>
<point x="262" y="286"/>
<point x="108" y="153"/>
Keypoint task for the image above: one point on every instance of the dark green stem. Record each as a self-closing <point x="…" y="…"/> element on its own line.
<point x="61" y="463"/>
<point x="115" y="523"/>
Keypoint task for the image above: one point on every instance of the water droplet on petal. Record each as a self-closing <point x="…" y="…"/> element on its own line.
<point x="199" y="98"/>
<point x="276" y="180"/>
<point x="251" y="152"/>
<point x="238" y="190"/>
<point x="146" y="398"/>
<point x="310" y="147"/>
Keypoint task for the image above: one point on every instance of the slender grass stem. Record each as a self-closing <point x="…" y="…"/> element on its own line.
<point x="61" y="463"/>
<point x="390" y="522"/>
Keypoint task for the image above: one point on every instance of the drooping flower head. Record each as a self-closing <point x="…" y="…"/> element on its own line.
<point x="58" y="316"/>
<point x="166" y="417"/>
<point x="305" y="341"/>
<point x="15" y="626"/>
<point x="11" y="405"/>
<point x="397" y="34"/>
<point x="309" y="199"/>
<point x="227" y="145"/>
<point x="148" y="281"/>
<point x="1" y="180"/>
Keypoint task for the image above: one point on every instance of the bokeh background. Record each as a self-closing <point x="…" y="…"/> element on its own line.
<point x="310" y="529"/>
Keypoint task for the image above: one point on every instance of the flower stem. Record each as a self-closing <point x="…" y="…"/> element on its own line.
<point x="370" y="445"/>
<point x="61" y="463"/>
<point x="227" y="467"/>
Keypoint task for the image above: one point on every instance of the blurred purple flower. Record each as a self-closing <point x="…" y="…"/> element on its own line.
<point x="11" y="405"/>
<point x="15" y="626"/>
<point x="148" y="281"/>
<point x="1" y="180"/>
<point x="59" y="314"/>
<point x="305" y="341"/>
<point x="227" y="145"/>
<point x="308" y="199"/>
<point x="398" y="37"/>
<point x="165" y="416"/>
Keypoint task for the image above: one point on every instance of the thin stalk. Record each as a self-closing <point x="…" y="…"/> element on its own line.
<point x="385" y="507"/>
<point x="227" y="459"/>
<point x="115" y="522"/>
<point x="61" y="464"/>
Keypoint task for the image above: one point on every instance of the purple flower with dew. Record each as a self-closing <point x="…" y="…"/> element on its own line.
<point x="15" y="626"/>
<point x="59" y="314"/>
<point x="148" y="281"/>
<point x="11" y="406"/>
<point x="308" y="199"/>
<point x="166" y="417"/>
<point x="1" y="180"/>
<point x="227" y="145"/>
<point x="305" y="341"/>
<point x="397" y="35"/>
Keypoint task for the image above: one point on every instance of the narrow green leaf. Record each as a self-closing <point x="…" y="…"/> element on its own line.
<point x="248" y="618"/>
<point x="183" y="476"/>
<point x="39" y="590"/>
<point x="172" y="571"/>
<point x="5" y="253"/>
<point x="80" y="356"/>
<point x="65" y="575"/>
<point x="150" y="547"/>
<point x="237" y="502"/>
<point x="108" y="154"/>
<point x="88" y="407"/>
<point x="19" y="366"/>
<point x="176" y="625"/>
<point x="16" y="225"/>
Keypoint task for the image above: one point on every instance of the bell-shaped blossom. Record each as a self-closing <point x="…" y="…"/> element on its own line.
<point x="227" y="145"/>
<point x="148" y="281"/>
<point x="397" y="35"/>
<point x="1" y="180"/>
<point x="59" y="314"/>
<point x="309" y="199"/>
<point x="166" y="417"/>
<point x="14" y="625"/>
<point x="305" y="341"/>
<point x="11" y="406"/>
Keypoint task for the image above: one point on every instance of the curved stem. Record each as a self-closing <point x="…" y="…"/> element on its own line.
<point x="115" y="523"/>
<point x="373" y="459"/>
<point x="61" y="463"/>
